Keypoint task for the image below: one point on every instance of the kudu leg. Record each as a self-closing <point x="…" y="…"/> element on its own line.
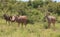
<point x="6" y="21"/>
<point x="18" y="24"/>
<point x="54" y="25"/>
<point x="49" y="24"/>
<point x="22" y="24"/>
<point x="9" y="23"/>
<point x="25" y="24"/>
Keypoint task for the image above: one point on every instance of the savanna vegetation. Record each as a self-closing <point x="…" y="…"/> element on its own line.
<point x="35" y="10"/>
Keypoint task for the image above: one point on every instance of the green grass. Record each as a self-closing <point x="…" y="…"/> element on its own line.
<point x="34" y="30"/>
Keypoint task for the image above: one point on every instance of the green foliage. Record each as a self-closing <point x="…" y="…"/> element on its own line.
<point x="35" y="10"/>
<point x="35" y="4"/>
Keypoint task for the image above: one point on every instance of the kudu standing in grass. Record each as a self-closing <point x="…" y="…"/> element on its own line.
<point x="19" y="19"/>
<point x="7" y="18"/>
<point x="50" y="19"/>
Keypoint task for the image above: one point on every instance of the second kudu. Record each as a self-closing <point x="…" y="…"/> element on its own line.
<point x="50" y="19"/>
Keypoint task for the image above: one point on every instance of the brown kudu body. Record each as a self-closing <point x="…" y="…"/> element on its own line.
<point x="50" y="19"/>
<point x="20" y="19"/>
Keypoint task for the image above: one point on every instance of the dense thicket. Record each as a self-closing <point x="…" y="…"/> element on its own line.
<point x="35" y="10"/>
